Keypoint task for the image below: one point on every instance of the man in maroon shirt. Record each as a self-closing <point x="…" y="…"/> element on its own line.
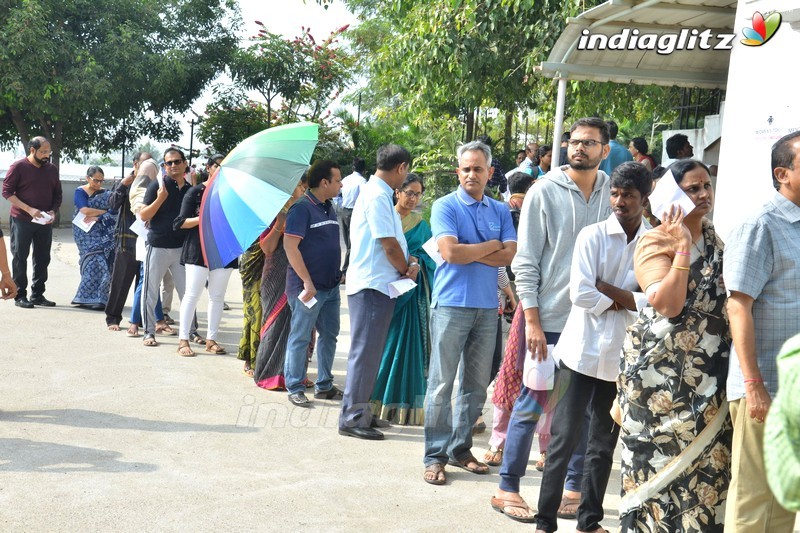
<point x="33" y="188"/>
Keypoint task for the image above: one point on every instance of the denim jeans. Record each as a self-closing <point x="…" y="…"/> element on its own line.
<point x="324" y="315"/>
<point x="136" y="308"/>
<point x="463" y="336"/>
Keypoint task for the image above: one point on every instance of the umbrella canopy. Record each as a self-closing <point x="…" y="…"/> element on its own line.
<point x="251" y="186"/>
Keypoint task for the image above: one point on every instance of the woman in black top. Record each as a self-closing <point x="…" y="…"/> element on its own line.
<point x="197" y="274"/>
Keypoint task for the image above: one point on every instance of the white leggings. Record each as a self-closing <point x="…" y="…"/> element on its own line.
<point x="196" y="277"/>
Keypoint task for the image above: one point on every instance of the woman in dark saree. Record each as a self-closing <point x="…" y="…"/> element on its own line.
<point x="676" y="432"/>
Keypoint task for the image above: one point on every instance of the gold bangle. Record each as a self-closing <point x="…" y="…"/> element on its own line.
<point x="680" y="268"/>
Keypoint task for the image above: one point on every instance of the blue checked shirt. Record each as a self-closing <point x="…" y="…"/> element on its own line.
<point x="762" y="260"/>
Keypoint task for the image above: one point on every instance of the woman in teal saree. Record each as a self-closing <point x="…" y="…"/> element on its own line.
<point x="400" y="387"/>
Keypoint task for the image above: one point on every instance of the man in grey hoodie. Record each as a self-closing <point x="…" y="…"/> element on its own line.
<point x="555" y="210"/>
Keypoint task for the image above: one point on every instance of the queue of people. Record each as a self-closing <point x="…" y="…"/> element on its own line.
<point x="657" y="335"/>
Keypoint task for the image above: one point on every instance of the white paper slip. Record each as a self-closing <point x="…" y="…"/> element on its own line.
<point x="43" y="218"/>
<point x="539" y="375"/>
<point x="141" y="249"/>
<point x="80" y="221"/>
<point x="309" y="303"/>
<point x="432" y="249"/>
<point x="139" y="227"/>
<point x="401" y="286"/>
<point x="668" y="192"/>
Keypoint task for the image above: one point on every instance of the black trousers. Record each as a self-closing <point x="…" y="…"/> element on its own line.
<point x="580" y="392"/>
<point x="126" y="269"/>
<point x="23" y="235"/>
<point x="345" y="215"/>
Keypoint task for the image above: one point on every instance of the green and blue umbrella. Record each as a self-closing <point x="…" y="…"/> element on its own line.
<point x="251" y="187"/>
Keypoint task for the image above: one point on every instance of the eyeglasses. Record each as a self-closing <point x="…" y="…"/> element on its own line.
<point x="96" y="180"/>
<point x="587" y="143"/>
<point x="410" y="194"/>
<point x="173" y="163"/>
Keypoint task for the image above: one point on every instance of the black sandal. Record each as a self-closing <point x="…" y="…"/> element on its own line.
<point x="197" y="339"/>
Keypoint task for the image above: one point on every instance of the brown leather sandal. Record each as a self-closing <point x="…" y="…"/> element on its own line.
<point x="213" y="347"/>
<point x="184" y="350"/>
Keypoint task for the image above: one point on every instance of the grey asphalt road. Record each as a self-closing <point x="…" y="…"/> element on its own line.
<point x="99" y="433"/>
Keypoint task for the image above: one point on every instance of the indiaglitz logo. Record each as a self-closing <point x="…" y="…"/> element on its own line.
<point x="762" y="30"/>
<point x="662" y="44"/>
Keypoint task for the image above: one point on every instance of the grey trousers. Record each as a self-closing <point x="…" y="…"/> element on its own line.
<point x="157" y="262"/>
<point x="370" y="314"/>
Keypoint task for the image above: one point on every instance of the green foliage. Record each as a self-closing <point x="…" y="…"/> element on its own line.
<point x="73" y="70"/>
<point x="230" y="119"/>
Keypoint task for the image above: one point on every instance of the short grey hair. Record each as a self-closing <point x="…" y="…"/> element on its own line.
<point x="476" y="146"/>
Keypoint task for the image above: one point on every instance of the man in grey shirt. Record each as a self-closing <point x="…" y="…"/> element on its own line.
<point x="761" y="273"/>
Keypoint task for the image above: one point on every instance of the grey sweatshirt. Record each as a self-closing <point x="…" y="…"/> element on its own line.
<point x="553" y="213"/>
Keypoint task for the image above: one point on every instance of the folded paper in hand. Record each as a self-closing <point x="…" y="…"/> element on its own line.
<point x="432" y="249"/>
<point x="139" y="227"/>
<point x="309" y="303"/>
<point x="668" y="192"/>
<point x="80" y="221"/>
<point x="539" y="375"/>
<point x="43" y="218"/>
<point x="401" y="286"/>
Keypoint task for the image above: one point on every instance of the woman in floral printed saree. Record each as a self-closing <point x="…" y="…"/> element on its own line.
<point x="676" y="432"/>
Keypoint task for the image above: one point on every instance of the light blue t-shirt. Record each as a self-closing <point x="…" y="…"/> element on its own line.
<point x="470" y="221"/>
<point x="617" y="155"/>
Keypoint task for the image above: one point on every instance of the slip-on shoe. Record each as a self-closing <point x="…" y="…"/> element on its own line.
<point x="299" y="399"/>
<point x="41" y="300"/>
<point x="24" y="303"/>
<point x="331" y="394"/>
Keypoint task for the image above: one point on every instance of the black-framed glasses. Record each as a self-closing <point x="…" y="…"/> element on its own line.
<point x="411" y="194"/>
<point x="173" y="163"/>
<point x="587" y="143"/>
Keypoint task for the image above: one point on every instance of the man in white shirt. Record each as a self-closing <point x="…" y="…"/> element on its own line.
<point x="380" y="257"/>
<point x="351" y="185"/>
<point x="605" y="298"/>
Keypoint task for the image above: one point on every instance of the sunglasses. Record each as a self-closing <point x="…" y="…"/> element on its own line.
<point x="173" y="163"/>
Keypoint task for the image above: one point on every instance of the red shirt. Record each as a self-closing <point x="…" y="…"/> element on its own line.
<point x="39" y="187"/>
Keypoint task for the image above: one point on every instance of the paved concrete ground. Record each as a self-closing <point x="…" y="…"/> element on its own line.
<point x="99" y="433"/>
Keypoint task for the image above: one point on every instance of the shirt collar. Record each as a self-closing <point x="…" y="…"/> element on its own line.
<point x="313" y="199"/>
<point x="787" y="208"/>
<point x="378" y="182"/>
<point x="466" y="199"/>
<point x="615" y="228"/>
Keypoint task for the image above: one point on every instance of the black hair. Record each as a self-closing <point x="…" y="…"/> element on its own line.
<point x="640" y="144"/>
<point x="37" y="142"/>
<point x="359" y="165"/>
<point x="613" y="129"/>
<point x="565" y="136"/>
<point x="391" y="155"/>
<point x="783" y="155"/>
<point x="632" y="175"/>
<point x="675" y="143"/>
<point x="658" y="172"/>
<point x="321" y="170"/>
<point x="522" y="151"/>
<point x="544" y="150"/>
<point x="94" y="169"/>
<point x="485" y="139"/>
<point x="592" y="122"/>
<point x="519" y="182"/>
<point x="682" y="166"/>
<point x="413" y="178"/>
<point x="136" y="157"/>
<point x="216" y="158"/>
<point x="174" y="150"/>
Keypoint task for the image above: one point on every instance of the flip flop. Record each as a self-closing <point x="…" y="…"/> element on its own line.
<point x="133" y="331"/>
<point x="500" y="505"/>
<point x="438" y="469"/>
<point x="113" y="327"/>
<point x="480" y="469"/>
<point x="149" y="340"/>
<point x="568" y="508"/>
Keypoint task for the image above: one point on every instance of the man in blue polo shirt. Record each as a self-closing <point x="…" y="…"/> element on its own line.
<point x="475" y="236"/>
<point x="311" y="241"/>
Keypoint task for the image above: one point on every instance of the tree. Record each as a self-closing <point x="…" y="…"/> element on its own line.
<point x="77" y="70"/>
<point x="231" y="118"/>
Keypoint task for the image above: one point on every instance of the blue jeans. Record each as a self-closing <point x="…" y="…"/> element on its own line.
<point x="136" y="310"/>
<point x="466" y="336"/>
<point x="325" y="317"/>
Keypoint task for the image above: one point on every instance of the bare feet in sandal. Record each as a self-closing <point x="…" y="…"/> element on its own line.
<point x="434" y="474"/>
<point x="213" y="347"/>
<point x="149" y="340"/>
<point x="247" y="370"/>
<point x="164" y="329"/>
<point x="184" y="350"/>
<point x="113" y="327"/>
<point x="513" y="506"/>
<point x="493" y="457"/>
<point x="133" y="330"/>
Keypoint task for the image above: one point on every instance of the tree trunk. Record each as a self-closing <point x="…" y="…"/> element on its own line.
<point x="470" y="125"/>
<point x="507" y="133"/>
<point x="22" y="128"/>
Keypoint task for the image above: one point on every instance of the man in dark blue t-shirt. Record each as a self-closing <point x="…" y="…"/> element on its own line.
<point x="311" y="241"/>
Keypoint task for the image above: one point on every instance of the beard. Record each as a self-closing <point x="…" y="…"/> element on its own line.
<point x="587" y="163"/>
<point x="42" y="161"/>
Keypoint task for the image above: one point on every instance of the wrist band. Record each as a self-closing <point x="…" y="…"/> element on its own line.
<point x="680" y="268"/>
<point x="754" y="381"/>
<point x="414" y="264"/>
<point x="687" y="254"/>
